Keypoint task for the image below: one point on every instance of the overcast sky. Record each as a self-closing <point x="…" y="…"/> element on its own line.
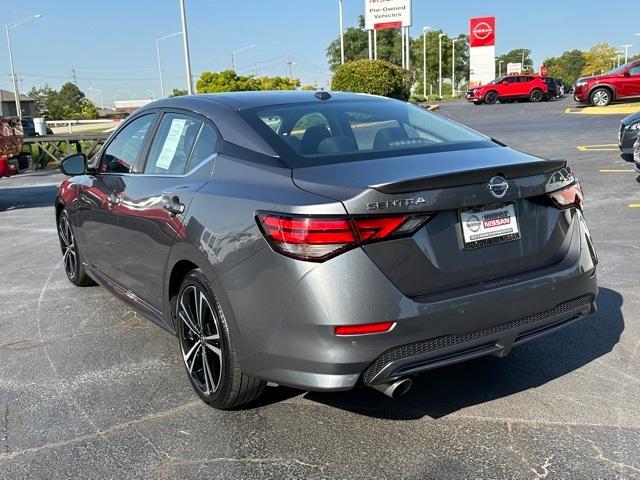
<point x="111" y="44"/>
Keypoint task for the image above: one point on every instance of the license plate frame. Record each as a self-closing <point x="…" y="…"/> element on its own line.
<point x="488" y="225"/>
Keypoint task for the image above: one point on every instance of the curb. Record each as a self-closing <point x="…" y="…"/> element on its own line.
<point x="616" y="110"/>
<point x="433" y="108"/>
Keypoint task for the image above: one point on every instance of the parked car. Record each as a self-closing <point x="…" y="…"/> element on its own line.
<point x="7" y="168"/>
<point x="509" y="88"/>
<point x="636" y="155"/>
<point x="340" y="240"/>
<point x="564" y="87"/>
<point x="553" y="89"/>
<point x="628" y="134"/>
<point x="621" y="83"/>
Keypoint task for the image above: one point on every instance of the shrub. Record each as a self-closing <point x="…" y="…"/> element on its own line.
<point x="376" y="77"/>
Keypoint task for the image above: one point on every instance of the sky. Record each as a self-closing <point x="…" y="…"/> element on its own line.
<point x="112" y="45"/>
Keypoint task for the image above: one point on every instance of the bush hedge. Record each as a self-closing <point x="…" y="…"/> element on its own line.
<point x="373" y="76"/>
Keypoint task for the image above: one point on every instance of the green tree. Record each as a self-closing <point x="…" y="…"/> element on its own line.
<point x="88" y="110"/>
<point x="226" y="81"/>
<point x="41" y="96"/>
<point x="567" y="66"/>
<point x="178" y="92"/>
<point x="376" y="77"/>
<point x="278" y="83"/>
<point x="519" y="55"/>
<point x="309" y="87"/>
<point x="599" y="58"/>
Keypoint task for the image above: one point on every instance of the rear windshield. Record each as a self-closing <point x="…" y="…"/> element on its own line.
<point x="331" y="131"/>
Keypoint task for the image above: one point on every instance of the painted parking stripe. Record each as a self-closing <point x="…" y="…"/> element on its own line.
<point x="634" y="205"/>
<point x="609" y="147"/>
<point x="613" y="170"/>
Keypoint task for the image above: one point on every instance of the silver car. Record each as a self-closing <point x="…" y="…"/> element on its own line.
<point x="325" y="240"/>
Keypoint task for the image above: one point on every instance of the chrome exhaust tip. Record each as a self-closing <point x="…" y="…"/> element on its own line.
<point x="394" y="389"/>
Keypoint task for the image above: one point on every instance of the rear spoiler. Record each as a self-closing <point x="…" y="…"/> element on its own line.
<point x="472" y="177"/>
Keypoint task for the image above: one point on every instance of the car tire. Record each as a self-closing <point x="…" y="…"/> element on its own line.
<point x="536" y="95"/>
<point x="207" y="349"/>
<point x="479" y="102"/>
<point x="71" y="256"/>
<point x="490" y="98"/>
<point x="600" y="97"/>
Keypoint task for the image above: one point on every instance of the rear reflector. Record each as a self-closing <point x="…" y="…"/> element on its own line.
<point x="317" y="238"/>
<point x="365" y="329"/>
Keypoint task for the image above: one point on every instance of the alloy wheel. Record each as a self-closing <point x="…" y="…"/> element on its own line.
<point x="68" y="245"/>
<point x="200" y="340"/>
<point x="601" y="98"/>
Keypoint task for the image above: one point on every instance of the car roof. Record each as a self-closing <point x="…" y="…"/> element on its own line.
<point x="263" y="98"/>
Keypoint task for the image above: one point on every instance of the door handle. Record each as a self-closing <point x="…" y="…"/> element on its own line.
<point x="174" y="206"/>
<point x="114" y="199"/>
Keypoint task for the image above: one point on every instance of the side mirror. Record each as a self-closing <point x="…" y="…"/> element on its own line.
<point x="75" y="164"/>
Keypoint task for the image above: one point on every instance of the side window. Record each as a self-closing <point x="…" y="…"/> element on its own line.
<point x="205" y="145"/>
<point x="125" y="149"/>
<point x="511" y="80"/>
<point x="634" y="70"/>
<point x="172" y="144"/>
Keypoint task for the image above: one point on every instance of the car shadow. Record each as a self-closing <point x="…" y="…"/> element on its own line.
<point x="15" y="198"/>
<point x="446" y="390"/>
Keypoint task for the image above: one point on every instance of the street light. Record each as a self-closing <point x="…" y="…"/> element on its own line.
<point x="440" y="63"/>
<point x="424" y="60"/>
<point x="341" y="33"/>
<point x="233" y="56"/>
<point x="626" y="52"/>
<point x="16" y="93"/>
<point x="185" y="45"/>
<point x="159" y="62"/>
<point x="453" y="66"/>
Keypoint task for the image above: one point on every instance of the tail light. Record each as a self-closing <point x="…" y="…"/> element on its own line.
<point x="568" y="197"/>
<point x="318" y="238"/>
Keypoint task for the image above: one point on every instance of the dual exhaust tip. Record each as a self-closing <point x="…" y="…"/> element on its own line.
<point x="394" y="389"/>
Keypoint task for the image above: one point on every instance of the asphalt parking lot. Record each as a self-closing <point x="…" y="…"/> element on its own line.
<point x="88" y="389"/>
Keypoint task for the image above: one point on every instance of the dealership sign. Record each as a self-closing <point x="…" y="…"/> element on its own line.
<point x="379" y="14"/>
<point x="482" y="51"/>
<point x="514" y="68"/>
<point x="482" y="32"/>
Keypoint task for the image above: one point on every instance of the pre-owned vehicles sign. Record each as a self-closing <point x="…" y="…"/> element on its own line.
<point x="482" y="32"/>
<point x="379" y="14"/>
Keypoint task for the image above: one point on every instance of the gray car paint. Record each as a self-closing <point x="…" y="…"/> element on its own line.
<point x="282" y="311"/>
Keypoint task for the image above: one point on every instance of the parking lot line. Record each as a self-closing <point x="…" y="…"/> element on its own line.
<point x="609" y="147"/>
<point x="634" y="205"/>
<point x="613" y="170"/>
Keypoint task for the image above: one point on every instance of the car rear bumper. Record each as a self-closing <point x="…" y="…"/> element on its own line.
<point x="292" y="341"/>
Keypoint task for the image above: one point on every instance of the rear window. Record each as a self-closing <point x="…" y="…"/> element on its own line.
<point x="333" y="131"/>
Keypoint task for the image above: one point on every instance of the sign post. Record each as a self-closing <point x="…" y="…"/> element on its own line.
<point x="482" y="51"/>
<point x="381" y="14"/>
<point x="544" y="71"/>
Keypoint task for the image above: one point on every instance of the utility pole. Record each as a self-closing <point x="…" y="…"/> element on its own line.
<point x="402" y="48"/>
<point x="290" y="63"/>
<point x="74" y="76"/>
<point x="185" y="44"/>
<point x="440" y="64"/>
<point x="424" y="60"/>
<point x="453" y="66"/>
<point x="626" y="52"/>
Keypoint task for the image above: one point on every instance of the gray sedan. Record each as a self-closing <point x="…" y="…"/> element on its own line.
<point x="324" y="240"/>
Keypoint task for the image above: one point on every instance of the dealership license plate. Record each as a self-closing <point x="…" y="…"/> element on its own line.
<point x="489" y="225"/>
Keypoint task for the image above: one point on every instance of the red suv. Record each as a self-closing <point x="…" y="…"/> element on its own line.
<point x="513" y="87"/>
<point x="619" y="84"/>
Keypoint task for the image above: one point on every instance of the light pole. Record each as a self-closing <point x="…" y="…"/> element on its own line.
<point x="626" y="52"/>
<point x="500" y="62"/>
<point x="16" y="93"/>
<point x="453" y="66"/>
<point x="185" y="45"/>
<point x="234" y="53"/>
<point x="341" y="33"/>
<point x="440" y="63"/>
<point x="159" y="62"/>
<point x="424" y="60"/>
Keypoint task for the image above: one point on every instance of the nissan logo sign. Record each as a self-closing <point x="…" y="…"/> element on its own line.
<point x="482" y="30"/>
<point x="498" y="186"/>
